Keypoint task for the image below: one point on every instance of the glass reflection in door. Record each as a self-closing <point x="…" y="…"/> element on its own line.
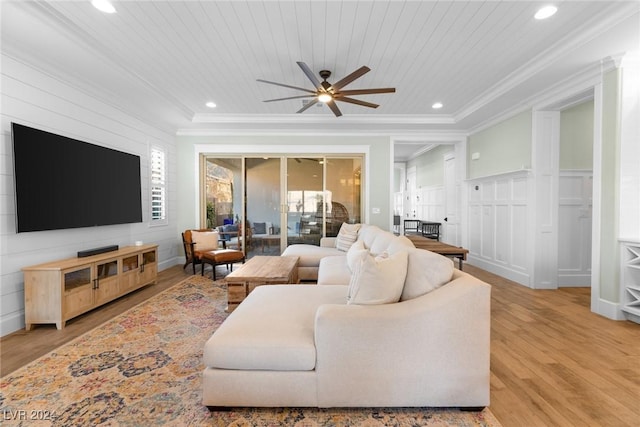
<point x="305" y="200"/>
<point x="263" y="201"/>
<point x="223" y="197"/>
<point x="343" y="185"/>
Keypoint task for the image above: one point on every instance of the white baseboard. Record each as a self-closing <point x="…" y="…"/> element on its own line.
<point x="12" y="323"/>
<point x="610" y="310"/>
<point x="574" y="281"/>
<point x="177" y="260"/>
<point x="506" y="272"/>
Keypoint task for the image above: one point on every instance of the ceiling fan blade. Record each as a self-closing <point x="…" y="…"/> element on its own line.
<point x="290" y="97"/>
<point x="284" y="85"/>
<point x="357" y="102"/>
<point x="310" y="75"/>
<point x="310" y="104"/>
<point x="351" y="77"/>
<point x="334" y="108"/>
<point x="367" y="91"/>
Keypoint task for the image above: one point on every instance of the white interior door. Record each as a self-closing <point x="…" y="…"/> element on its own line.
<point x="451" y="221"/>
<point x="574" y="231"/>
<point x="410" y="203"/>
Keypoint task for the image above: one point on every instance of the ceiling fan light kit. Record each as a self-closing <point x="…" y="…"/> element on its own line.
<point x="328" y="93"/>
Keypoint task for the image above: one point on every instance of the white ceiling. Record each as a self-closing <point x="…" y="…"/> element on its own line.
<point x="162" y="60"/>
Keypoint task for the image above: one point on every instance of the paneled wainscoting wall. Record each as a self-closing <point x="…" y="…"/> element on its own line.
<point x="498" y="217"/>
<point x="499" y="220"/>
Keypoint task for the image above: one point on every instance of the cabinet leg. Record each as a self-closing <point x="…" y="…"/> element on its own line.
<point x="60" y="325"/>
<point x="27" y="327"/>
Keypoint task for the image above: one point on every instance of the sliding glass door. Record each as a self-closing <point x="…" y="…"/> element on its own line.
<point x="263" y="204"/>
<point x="305" y="184"/>
<point x="263" y="195"/>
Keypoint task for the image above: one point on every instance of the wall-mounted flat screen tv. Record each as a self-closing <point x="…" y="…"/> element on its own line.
<point x="65" y="183"/>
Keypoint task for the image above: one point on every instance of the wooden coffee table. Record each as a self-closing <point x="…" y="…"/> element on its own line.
<point x="258" y="271"/>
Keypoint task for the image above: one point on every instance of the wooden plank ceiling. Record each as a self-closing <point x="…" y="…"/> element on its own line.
<point x="189" y="52"/>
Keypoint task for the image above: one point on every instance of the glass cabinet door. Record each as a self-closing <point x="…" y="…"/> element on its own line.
<point x="106" y="283"/>
<point x="130" y="263"/>
<point x="78" y="291"/>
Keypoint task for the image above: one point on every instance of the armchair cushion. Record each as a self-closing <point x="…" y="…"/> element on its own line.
<point x="378" y="280"/>
<point x="204" y="241"/>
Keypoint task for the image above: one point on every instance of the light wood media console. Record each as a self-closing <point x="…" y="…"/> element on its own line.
<point x="57" y="291"/>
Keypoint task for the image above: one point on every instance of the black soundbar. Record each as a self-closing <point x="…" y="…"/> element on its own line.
<point x="96" y="251"/>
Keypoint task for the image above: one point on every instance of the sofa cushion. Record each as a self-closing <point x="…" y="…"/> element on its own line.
<point x="204" y="241"/>
<point x="229" y="231"/>
<point x="310" y="255"/>
<point x="426" y="271"/>
<point x="382" y="242"/>
<point x="259" y="228"/>
<point x="378" y="280"/>
<point x="272" y="329"/>
<point x="334" y="271"/>
<point x="355" y="253"/>
<point x="368" y="234"/>
<point x="347" y="236"/>
<point x="400" y="243"/>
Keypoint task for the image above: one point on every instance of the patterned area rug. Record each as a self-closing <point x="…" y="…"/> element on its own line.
<point x="144" y="368"/>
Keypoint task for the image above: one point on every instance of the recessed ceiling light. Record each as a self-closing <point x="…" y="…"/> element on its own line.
<point x="546" y="12"/>
<point x="211" y="104"/>
<point x="437" y="105"/>
<point x="103" y="6"/>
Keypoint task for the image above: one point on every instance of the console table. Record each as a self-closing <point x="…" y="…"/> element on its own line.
<point x="445" y="249"/>
<point x="57" y="291"/>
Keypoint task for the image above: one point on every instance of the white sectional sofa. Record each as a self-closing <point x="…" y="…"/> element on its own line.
<point x="310" y="256"/>
<point x="339" y="345"/>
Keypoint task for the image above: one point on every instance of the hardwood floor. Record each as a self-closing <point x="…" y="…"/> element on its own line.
<point x="553" y="362"/>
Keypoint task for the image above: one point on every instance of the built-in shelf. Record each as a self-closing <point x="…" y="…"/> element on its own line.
<point x="630" y="298"/>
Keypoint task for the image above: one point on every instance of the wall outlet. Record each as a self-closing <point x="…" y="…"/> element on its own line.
<point x="475" y="156"/>
<point x="375" y="210"/>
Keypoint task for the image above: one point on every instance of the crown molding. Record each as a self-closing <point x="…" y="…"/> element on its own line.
<point x="588" y="31"/>
<point x="567" y="92"/>
<point x="450" y="137"/>
<point x="388" y="119"/>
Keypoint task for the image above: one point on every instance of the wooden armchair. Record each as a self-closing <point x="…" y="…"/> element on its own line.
<point x="208" y="251"/>
<point x="189" y="249"/>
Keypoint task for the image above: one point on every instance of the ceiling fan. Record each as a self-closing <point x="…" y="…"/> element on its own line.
<point x="329" y="93"/>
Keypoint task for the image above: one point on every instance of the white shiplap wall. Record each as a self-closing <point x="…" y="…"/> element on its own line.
<point x="35" y="98"/>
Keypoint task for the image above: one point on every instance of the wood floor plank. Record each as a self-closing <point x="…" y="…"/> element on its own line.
<point x="553" y="362"/>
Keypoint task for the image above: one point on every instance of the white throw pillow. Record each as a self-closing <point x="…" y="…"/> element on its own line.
<point x="378" y="280"/>
<point x="426" y="271"/>
<point x="355" y="253"/>
<point x="205" y="240"/>
<point x="347" y="236"/>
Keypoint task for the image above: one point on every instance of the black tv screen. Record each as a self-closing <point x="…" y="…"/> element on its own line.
<point x="65" y="183"/>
